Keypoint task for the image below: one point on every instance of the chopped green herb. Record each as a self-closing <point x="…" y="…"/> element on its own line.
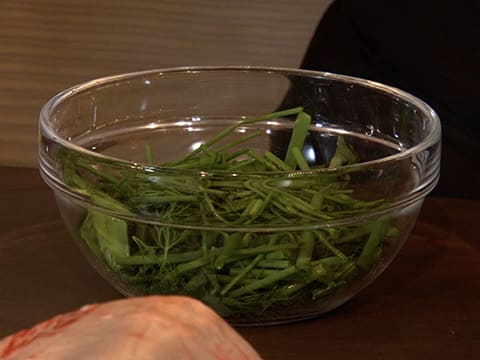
<point x="245" y="271"/>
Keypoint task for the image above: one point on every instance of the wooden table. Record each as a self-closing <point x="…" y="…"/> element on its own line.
<point x="425" y="306"/>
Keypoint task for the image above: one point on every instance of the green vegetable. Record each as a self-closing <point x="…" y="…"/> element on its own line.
<point x="297" y="140"/>
<point x="234" y="270"/>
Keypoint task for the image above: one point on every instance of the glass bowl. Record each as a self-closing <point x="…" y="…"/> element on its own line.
<point x="272" y="195"/>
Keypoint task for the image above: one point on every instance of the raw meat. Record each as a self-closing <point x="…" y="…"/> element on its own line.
<point x="143" y="328"/>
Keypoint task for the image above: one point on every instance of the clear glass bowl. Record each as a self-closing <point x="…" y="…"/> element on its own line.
<point x="260" y="243"/>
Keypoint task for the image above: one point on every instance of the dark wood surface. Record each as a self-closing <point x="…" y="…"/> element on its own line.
<point x="425" y="306"/>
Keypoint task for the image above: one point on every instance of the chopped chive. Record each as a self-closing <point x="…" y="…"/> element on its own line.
<point x="254" y="120"/>
<point x="277" y="162"/>
<point x="300" y="131"/>
<point x="266" y="281"/>
<point x="242" y="271"/>
<point x="241" y="274"/>
<point x="371" y="247"/>
<point x="300" y="159"/>
<point x="305" y="250"/>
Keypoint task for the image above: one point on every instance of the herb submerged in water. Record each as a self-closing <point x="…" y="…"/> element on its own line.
<point x="233" y="270"/>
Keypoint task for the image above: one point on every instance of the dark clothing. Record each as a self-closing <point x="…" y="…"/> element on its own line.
<point x="428" y="48"/>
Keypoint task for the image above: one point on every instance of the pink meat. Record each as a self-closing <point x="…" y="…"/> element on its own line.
<point x="155" y="327"/>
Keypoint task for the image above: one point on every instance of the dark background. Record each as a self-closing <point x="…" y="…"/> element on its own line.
<point x="428" y="48"/>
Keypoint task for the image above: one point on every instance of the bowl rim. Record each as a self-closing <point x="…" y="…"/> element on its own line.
<point x="425" y="185"/>
<point x="431" y="138"/>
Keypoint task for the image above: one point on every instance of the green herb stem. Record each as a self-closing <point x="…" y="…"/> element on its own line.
<point x="232" y="128"/>
<point x="266" y="281"/>
<point x="297" y="140"/>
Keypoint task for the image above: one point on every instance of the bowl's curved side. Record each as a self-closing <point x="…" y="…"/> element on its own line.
<point x="311" y="301"/>
<point x="310" y="252"/>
